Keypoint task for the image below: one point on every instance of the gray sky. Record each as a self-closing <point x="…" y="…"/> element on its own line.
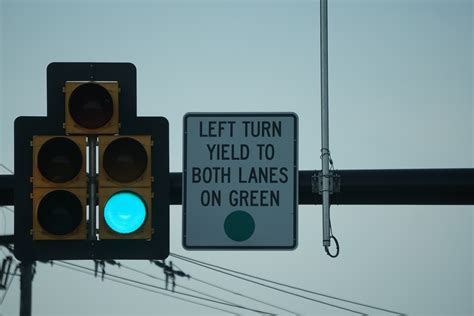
<point x="400" y="97"/>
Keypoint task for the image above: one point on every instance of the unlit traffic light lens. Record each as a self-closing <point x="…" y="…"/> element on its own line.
<point x="125" y="212"/>
<point x="59" y="160"/>
<point x="60" y="212"/>
<point x="125" y="160"/>
<point x="91" y="106"/>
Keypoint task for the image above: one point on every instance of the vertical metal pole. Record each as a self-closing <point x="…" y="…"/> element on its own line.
<point x="92" y="142"/>
<point x="325" y="120"/>
<point x="26" y="279"/>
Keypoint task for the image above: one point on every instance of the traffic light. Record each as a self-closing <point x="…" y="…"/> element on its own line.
<point x="59" y="188"/>
<point x="91" y="155"/>
<point x="91" y="107"/>
<point x="125" y="187"/>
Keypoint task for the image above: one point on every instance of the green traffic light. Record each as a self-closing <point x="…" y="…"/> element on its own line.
<point x="125" y="212"/>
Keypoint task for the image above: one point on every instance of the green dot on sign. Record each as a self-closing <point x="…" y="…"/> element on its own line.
<point x="239" y="225"/>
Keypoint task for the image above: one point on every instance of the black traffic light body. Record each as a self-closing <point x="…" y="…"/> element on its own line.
<point x="29" y="248"/>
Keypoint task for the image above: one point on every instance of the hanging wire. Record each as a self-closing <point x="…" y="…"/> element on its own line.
<point x="184" y="287"/>
<point x="287" y="285"/>
<point x="214" y="268"/>
<point x="6" y="168"/>
<point x="326" y="152"/>
<point x="4" y="221"/>
<point x="147" y="289"/>
<point x="8" y="208"/>
<point x="237" y="293"/>
<point x="162" y="288"/>
<point x="9" y="284"/>
<point x="5" y="207"/>
<point x="9" y="248"/>
<point x="331" y="236"/>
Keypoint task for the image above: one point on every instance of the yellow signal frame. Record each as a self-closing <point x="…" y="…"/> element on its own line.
<point x="112" y="127"/>
<point x="80" y="233"/>
<point x="144" y="181"/>
<point x="39" y="181"/>
<point x="144" y="232"/>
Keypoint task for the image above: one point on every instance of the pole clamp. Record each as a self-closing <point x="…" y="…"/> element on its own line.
<point x="317" y="182"/>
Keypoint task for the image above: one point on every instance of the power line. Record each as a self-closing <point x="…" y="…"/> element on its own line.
<point x="8" y="208"/>
<point x="184" y="287"/>
<point x="290" y="286"/>
<point x="8" y="286"/>
<point x="238" y="293"/>
<point x="6" y="168"/>
<point x="245" y="296"/>
<point x="218" y="287"/>
<point x="4" y="222"/>
<point x="148" y="290"/>
<point x="13" y="274"/>
<point x="267" y="286"/>
<point x="161" y="288"/>
<point x="5" y="217"/>
<point x="9" y="248"/>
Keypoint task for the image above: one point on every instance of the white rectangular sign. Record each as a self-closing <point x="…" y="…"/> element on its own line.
<point x="240" y="177"/>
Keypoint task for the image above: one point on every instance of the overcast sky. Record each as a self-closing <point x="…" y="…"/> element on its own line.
<point x="400" y="81"/>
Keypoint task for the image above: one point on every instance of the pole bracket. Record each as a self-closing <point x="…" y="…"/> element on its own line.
<point x="317" y="182"/>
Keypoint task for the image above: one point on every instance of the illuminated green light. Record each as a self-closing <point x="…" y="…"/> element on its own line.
<point x="125" y="212"/>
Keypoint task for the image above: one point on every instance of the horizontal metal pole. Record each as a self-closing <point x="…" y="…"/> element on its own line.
<point x="381" y="187"/>
<point x="7" y="189"/>
<point x="7" y="239"/>
<point x="363" y="187"/>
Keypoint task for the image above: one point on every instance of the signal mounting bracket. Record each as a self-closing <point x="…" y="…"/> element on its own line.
<point x="317" y="182"/>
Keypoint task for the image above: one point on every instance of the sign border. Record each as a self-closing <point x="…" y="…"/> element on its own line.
<point x="295" y="174"/>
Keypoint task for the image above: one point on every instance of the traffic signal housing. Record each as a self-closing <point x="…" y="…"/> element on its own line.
<point x="91" y="107"/>
<point x="125" y="192"/>
<point x="57" y="190"/>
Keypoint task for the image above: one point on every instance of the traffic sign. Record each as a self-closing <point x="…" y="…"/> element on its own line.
<point x="240" y="178"/>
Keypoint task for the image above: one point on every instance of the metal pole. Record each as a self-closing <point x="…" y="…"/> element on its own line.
<point x="26" y="280"/>
<point x="379" y="187"/>
<point x="357" y="187"/>
<point x="92" y="142"/>
<point x="7" y="189"/>
<point x="325" y="121"/>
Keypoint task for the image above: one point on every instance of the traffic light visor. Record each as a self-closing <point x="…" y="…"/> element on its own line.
<point x="59" y="160"/>
<point x="125" y="160"/>
<point x="60" y="212"/>
<point x="125" y="212"/>
<point x="91" y="106"/>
